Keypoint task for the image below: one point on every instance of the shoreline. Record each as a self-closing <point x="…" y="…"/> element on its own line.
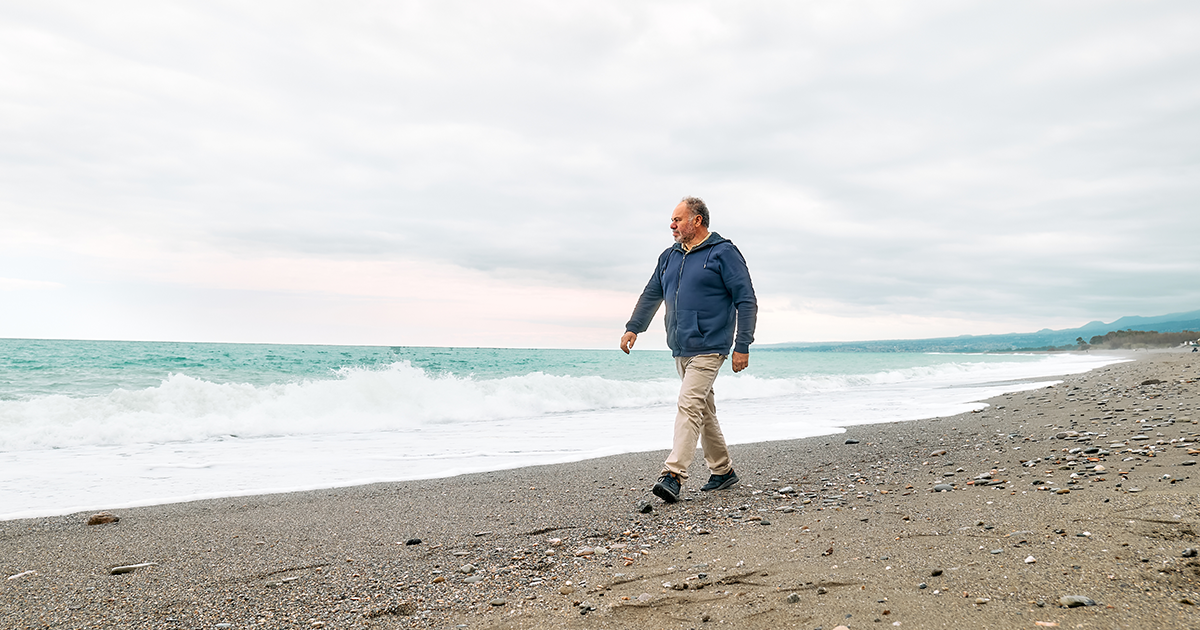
<point x="339" y="558"/>
<point x="42" y="481"/>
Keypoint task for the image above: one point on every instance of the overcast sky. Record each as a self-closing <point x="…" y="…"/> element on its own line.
<point x="502" y="173"/>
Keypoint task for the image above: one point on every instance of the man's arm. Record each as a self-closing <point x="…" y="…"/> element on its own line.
<point x="643" y="312"/>
<point x="736" y="275"/>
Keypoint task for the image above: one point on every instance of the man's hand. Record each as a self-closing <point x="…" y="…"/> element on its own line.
<point x="740" y="361"/>
<point x="627" y="341"/>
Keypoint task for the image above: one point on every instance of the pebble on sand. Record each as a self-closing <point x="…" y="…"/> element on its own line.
<point x="1075" y="601"/>
<point x="102" y="518"/>
<point x="129" y="568"/>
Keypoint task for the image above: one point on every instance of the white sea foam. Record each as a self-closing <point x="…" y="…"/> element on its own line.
<point x="398" y="398"/>
<point x="189" y="438"/>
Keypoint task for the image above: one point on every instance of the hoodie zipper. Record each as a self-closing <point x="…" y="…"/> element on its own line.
<point x="679" y="280"/>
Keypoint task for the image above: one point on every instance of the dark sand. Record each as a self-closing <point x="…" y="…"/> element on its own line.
<point x="851" y="545"/>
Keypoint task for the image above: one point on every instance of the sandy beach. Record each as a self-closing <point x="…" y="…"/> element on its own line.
<point x="1071" y="506"/>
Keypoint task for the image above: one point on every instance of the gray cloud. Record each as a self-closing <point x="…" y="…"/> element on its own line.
<point x="990" y="160"/>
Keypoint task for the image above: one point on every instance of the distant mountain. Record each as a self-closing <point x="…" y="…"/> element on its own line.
<point x="1175" y="322"/>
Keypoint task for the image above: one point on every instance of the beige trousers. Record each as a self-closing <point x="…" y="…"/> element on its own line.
<point x="697" y="417"/>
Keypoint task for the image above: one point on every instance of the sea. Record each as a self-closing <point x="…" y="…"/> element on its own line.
<point x="102" y="425"/>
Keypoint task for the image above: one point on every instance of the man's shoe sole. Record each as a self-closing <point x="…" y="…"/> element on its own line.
<point x="728" y="482"/>
<point x="663" y="493"/>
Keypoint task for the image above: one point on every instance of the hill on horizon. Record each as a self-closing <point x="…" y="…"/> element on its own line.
<point x="1007" y="342"/>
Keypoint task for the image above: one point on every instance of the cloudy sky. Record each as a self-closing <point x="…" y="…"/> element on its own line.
<point x="501" y="173"/>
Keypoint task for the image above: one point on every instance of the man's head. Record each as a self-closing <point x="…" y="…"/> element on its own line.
<point x="689" y="221"/>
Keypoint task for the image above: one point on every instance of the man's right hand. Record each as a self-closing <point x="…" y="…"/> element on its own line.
<point x="627" y="341"/>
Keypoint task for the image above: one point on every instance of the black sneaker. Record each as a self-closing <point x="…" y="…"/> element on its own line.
<point x="667" y="488"/>
<point x="720" y="482"/>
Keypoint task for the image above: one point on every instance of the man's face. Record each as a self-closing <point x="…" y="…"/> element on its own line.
<point x="684" y="224"/>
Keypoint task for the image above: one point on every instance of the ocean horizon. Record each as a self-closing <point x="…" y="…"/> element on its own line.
<point x="89" y="425"/>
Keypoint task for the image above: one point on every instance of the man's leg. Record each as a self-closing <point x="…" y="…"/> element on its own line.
<point x="716" y="454"/>
<point x="697" y="408"/>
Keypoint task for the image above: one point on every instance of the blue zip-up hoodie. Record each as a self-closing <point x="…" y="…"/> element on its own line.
<point x="707" y="291"/>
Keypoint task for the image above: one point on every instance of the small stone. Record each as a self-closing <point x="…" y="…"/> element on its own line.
<point x="585" y="551"/>
<point x="224" y="625"/>
<point x="471" y="579"/>
<point x="786" y="490"/>
<point x="840" y="628"/>
<point x="821" y="590"/>
<point x="764" y="522"/>
<point x="129" y="568"/>
<point x="499" y="601"/>
<point x="1030" y="559"/>
<point x="412" y="541"/>
<point x="943" y="487"/>
<point x="922" y="586"/>
<point x="1075" y="601"/>
<point x="935" y="572"/>
<point x="439" y="579"/>
<point x="1190" y="462"/>
<point x="645" y="507"/>
<point x="1062" y="491"/>
<point x="1189" y="553"/>
<point x="937" y="453"/>
<point x="851" y="441"/>
<point x="982" y="600"/>
<point x="102" y="518"/>
<point x="645" y="597"/>
<point x="467" y="568"/>
<point x="996" y="551"/>
<point x="567" y="590"/>
<point x="794" y="598"/>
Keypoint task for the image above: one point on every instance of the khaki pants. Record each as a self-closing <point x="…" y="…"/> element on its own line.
<point x="697" y="417"/>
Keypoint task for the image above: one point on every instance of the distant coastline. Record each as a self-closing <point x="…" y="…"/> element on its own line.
<point x="1042" y="340"/>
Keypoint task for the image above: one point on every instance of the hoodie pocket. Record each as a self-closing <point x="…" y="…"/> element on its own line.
<point x="687" y="330"/>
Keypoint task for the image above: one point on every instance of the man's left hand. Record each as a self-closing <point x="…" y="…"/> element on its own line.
<point x="740" y="361"/>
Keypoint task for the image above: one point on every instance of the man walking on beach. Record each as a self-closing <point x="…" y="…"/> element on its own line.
<point x="705" y="283"/>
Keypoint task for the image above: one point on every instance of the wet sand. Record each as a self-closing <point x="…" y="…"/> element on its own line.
<point x="1084" y="489"/>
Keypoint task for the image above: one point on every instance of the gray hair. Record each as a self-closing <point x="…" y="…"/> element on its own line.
<point x="696" y="206"/>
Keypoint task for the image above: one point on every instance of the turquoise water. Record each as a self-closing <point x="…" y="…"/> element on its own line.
<point x="32" y="368"/>
<point x="103" y="424"/>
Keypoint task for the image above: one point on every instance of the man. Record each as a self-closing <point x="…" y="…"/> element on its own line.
<point x="706" y="285"/>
